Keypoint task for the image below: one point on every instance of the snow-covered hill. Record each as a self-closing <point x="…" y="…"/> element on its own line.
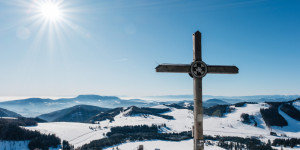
<point x="296" y="104"/>
<point x="76" y="133"/>
<point x="229" y="125"/>
<point x="177" y="145"/>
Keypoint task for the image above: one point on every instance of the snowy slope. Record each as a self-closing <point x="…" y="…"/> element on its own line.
<point x="171" y="145"/>
<point x="182" y="122"/>
<point x="296" y="104"/>
<point x="229" y="125"/>
<point x="162" y="145"/>
<point x="159" y="106"/>
<point x="76" y="133"/>
<point x="293" y="128"/>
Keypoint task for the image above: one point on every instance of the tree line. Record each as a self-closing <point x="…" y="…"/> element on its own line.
<point x="286" y="142"/>
<point x="10" y="131"/>
<point x="271" y="115"/>
<point x="290" y="110"/>
<point x="125" y="134"/>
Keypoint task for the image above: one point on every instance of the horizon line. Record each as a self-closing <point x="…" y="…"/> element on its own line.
<point x="11" y="98"/>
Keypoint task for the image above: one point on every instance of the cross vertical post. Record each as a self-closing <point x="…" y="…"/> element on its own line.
<point x="198" y="110"/>
<point x="197" y="70"/>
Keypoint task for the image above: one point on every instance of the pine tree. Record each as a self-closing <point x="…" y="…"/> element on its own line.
<point x="231" y="145"/>
<point x="269" y="142"/>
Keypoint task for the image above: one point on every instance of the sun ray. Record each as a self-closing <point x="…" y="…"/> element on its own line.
<point x="49" y="21"/>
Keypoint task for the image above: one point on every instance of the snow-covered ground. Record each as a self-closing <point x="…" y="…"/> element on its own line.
<point x="8" y="118"/>
<point x="162" y="145"/>
<point x="293" y="128"/>
<point x="286" y="148"/>
<point x="77" y="134"/>
<point x="183" y="120"/>
<point x="296" y="104"/>
<point x="229" y="125"/>
<point x="123" y="119"/>
<point x="170" y="145"/>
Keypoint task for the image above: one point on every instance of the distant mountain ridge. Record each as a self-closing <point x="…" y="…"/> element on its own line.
<point x="31" y="107"/>
<point x="8" y="113"/>
<point x="214" y="102"/>
<point x="90" y="114"/>
<point x="231" y="99"/>
<point x="78" y="113"/>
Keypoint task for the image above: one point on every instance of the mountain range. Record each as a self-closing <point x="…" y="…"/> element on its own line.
<point x="31" y="107"/>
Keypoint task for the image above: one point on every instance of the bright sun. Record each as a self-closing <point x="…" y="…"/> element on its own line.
<point x="50" y="11"/>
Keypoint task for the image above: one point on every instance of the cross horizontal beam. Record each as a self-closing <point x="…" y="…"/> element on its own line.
<point x="186" y="68"/>
<point x="174" y="68"/>
<point x="222" y="69"/>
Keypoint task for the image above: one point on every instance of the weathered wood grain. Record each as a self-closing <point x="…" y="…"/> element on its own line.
<point x="174" y="68"/>
<point x="222" y="69"/>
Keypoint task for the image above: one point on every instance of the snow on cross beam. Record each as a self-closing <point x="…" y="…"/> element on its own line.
<point x="197" y="69"/>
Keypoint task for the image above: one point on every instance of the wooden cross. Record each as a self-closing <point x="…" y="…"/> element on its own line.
<point x="197" y="70"/>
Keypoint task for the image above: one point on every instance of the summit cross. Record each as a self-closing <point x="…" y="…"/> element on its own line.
<point x="197" y="70"/>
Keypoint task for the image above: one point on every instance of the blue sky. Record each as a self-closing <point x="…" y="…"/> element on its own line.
<point x="112" y="47"/>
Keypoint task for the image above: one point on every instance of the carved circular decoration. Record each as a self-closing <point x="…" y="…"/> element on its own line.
<point x="198" y="69"/>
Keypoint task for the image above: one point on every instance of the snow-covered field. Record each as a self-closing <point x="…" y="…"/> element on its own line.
<point x="297" y="105"/>
<point x="167" y="145"/>
<point x="8" y="118"/>
<point x="229" y="125"/>
<point x="293" y="128"/>
<point x="123" y="119"/>
<point x="182" y="122"/>
<point x="76" y="133"/>
<point x="162" y="145"/>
